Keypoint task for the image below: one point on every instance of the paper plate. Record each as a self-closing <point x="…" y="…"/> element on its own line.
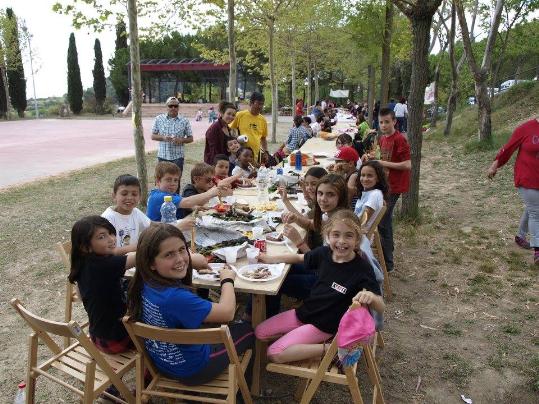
<point x="275" y="269"/>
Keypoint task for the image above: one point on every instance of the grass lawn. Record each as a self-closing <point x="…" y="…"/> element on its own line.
<point x="463" y="319"/>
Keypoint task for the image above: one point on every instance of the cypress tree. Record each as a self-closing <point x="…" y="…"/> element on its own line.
<point x="74" y="84"/>
<point x="100" y="85"/>
<point x="3" y="98"/>
<point x="118" y="65"/>
<point x="15" y="70"/>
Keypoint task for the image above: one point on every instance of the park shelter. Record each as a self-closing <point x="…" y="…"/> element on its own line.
<point x="162" y="78"/>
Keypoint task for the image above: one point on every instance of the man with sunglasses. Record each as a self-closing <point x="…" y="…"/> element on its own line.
<point x="172" y="131"/>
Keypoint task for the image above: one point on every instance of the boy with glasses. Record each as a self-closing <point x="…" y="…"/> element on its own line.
<point x="172" y="131"/>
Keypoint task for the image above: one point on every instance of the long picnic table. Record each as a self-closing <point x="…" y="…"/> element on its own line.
<point x="259" y="290"/>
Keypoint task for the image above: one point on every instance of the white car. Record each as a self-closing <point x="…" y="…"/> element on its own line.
<point x="506" y="85"/>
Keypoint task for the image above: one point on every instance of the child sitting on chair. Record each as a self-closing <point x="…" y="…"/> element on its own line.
<point x="159" y="295"/>
<point x="167" y="178"/>
<point x="344" y="276"/>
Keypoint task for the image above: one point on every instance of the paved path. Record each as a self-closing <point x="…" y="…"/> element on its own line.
<point x="32" y="149"/>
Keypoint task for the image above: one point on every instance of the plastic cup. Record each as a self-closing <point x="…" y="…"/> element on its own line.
<point x="258" y="231"/>
<point x="252" y="255"/>
<point x="231" y="255"/>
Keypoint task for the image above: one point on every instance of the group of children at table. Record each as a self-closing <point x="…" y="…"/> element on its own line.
<point x="329" y="270"/>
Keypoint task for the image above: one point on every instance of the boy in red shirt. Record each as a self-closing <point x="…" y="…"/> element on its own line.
<point x="395" y="158"/>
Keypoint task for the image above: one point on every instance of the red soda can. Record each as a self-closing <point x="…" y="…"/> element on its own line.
<point x="261" y="244"/>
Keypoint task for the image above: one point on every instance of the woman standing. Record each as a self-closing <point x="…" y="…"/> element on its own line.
<point x="525" y="138"/>
<point x="215" y="135"/>
<point x="401" y="112"/>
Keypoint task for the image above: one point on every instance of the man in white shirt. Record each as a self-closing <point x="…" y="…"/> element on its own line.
<point x="401" y="112"/>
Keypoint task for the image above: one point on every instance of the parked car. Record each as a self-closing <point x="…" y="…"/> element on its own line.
<point x="471" y="100"/>
<point x="506" y="85"/>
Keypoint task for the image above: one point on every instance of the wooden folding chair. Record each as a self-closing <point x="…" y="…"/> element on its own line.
<point x="71" y="291"/>
<point x="80" y="361"/>
<point x="374" y="236"/>
<point x="223" y="389"/>
<point x="314" y="371"/>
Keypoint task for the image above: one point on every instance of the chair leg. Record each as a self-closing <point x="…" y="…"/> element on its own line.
<point x="324" y="365"/>
<point x="300" y="390"/>
<point x="89" y="383"/>
<point x="32" y="362"/>
<point x="374" y="375"/>
<point x="353" y="385"/>
<point x="139" y="376"/>
<point x="232" y="384"/>
<point x="68" y="308"/>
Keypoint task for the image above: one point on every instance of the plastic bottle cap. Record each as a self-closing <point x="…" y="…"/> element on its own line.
<point x="168" y="198"/>
<point x="22" y="385"/>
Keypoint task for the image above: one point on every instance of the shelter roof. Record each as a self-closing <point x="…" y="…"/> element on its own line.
<point x="185" y="65"/>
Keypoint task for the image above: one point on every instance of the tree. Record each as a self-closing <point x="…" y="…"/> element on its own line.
<point x="14" y="69"/>
<point x="3" y="86"/>
<point x="74" y="83"/>
<point x="233" y="70"/>
<point x="386" y="54"/>
<point x="100" y="85"/>
<point x="136" y="86"/>
<point x="118" y="65"/>
<point x="481" y="72"/>
<point x="420" y="13"/>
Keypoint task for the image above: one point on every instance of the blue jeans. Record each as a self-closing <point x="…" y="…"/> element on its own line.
<point x="298" y="284"/>
<point x="531" y="199"/>
<point x="178" y="162"/>
<point x="385" y="228"/>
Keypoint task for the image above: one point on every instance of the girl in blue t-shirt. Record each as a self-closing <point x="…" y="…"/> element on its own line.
<point x="159" y="295"/>
<point x="99" y="274"/>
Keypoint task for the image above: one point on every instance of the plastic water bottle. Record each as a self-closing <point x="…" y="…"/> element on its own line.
<point x="20" y="397"/>
<point x="281" y="181"/>
<point x="298" y="160"/>
<point x="168" y="211"/>
<point x="262" y="184"/>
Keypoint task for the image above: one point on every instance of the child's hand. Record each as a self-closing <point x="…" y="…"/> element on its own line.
<point x="364" y="297"/>
<point x="265" y="258"/>
<point x="227" y="272"/>
<point x="289" y="217"/>
<point x="292" y="234"/>
<point x="229" y="180"/>
<point x="224" y="190"/>
<point x="186" y="223"/>
<point x="282" y="192"/>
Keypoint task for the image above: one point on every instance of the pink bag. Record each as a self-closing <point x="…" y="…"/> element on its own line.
<point x="356" y="326"/>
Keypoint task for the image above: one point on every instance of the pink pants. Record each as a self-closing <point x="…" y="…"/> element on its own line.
<point x="295" y="332"/>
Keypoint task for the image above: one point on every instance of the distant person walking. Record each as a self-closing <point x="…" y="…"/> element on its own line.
<point x="172" y="131"/>
<point x="401" y="112"/>
<point x="525" y="139"/>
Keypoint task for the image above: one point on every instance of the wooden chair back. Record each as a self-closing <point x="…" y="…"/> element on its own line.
<point x="71" y="290"/>
<point x="44" y="330"/>
<point x="324" y="371"/>
<point x="376" y="222"/>
<point x="139" y="332"/>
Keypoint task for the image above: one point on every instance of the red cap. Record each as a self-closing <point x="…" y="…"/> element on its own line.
<point x="347" y="153"/>
<point x="22" y="385"/>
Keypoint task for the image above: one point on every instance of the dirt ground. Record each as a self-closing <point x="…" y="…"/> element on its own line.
<point x="463" y="318"/>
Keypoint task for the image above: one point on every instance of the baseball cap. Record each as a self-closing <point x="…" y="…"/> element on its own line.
<point x="172" y="101"/>
<point x="347" y="153"/>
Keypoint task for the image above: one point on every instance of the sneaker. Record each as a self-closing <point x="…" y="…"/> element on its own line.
<point x="522" y="242"/>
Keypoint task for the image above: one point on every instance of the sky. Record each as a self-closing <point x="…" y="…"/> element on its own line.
<point x="50" y="42"/>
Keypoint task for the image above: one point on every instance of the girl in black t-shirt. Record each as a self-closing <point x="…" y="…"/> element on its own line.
<point x="343" y="276"/>
<point x="98" y="274"/>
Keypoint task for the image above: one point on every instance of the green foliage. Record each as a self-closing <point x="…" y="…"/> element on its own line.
<point x="3" y="99"/>
<point x="74" y="83"/>
<point x="118" y="66"/>
<point x="100" y="86"/>
<point x="15" y="70"/>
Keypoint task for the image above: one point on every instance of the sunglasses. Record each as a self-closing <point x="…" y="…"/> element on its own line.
<point x="173" y="106"/>
<point x="207" y="180"/>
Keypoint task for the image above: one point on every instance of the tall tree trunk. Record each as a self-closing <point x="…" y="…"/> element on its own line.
<point x="136" y="88"/>
<point x="273" y="83"/>
<point x="371" y="73"/>
<point x="386" y="54"/>
<point x="483" y="106"/>
<point x="316" y="86"/>
<point x="293" y="89"/>
<point x="420" y="69"/>
<point x="309" y="80"/>
<point x="233" y="70"/>
<point x="452" y="100"/>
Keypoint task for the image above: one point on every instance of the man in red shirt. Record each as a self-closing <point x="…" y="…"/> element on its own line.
<point x="395" y="158"/>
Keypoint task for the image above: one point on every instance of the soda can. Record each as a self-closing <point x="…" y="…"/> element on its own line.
<point x="260" y="243"/>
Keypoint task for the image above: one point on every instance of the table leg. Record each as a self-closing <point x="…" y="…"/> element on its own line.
<point x="258" y="315"/>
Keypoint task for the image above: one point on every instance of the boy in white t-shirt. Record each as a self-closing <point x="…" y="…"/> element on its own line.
<point x="127" y="219"/>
